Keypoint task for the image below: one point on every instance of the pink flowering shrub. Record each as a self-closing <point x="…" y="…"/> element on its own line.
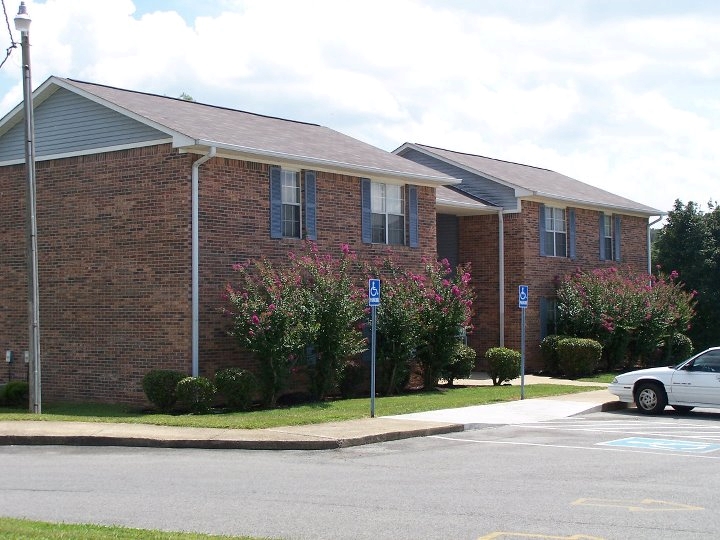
<point x="270" y="317"/>
<point x="630" y="314"/>
<point x="336" y="305"/>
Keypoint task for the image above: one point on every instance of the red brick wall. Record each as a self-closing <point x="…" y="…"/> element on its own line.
<point x="525" y="266"/>
<point x="115" y="262"/>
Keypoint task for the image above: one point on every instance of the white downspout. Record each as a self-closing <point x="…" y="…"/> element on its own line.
<point x="649" y="252"/>
<point x="196" y="260"/>
<point x="501" y="274"/>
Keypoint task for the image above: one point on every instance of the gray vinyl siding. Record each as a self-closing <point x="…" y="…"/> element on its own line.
<point x="67" y="123"/>
<point x="472" y="184"/>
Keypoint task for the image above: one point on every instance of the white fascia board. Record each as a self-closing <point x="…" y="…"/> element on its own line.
<point x="594" y="205"/>
<point x="273" y="157"/>
<point x="89" y="151"/>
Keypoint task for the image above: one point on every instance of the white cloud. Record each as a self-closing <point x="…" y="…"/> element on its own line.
<point x="622" y="99"/>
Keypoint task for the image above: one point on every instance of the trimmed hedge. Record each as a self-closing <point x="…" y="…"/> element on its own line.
<point x="549" y="353"/>
<point x="160" y="387"/>
<point x="461" y="365"/>
<point x="196" y="393"/>
<point x="15" y="394"/>
<point x="237" y="386"/>
<point x="503" y="364"/>
<point x="578" y="357"/>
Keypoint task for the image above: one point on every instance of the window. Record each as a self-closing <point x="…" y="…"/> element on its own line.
<point x="555" y="232"/>
<point x="290" y="204"/>
<point x="292" y="200"/>
<point x="609" y="237"/>
<point x="388" y="217"/>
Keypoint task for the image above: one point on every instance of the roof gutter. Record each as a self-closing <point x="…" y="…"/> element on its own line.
<point x="196" y="260"/>
<point x="329" y="164"/>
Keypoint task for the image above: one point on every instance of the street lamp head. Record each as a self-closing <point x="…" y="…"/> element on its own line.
<point x="22" y="19"/>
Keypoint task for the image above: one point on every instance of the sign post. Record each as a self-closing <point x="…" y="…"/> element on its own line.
<point x="373" y="302"/>
<point x="522" y="304"/>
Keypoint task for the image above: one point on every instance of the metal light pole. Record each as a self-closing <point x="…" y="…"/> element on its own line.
<point x="22" y="25"/>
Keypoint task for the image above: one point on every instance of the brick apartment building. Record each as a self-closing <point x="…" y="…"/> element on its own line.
<point x="145" y="202"/>
<point x="523" y="225"/>
<point x="129" y="279"/>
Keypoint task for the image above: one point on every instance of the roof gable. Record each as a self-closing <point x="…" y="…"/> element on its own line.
<point x="534" y="182"/>
<point x="195" y="127"/>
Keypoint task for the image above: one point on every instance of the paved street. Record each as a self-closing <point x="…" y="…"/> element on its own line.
<point x="601" y="475"/>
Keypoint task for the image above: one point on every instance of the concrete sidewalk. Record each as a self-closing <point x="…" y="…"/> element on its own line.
<point x="315" y="436"/>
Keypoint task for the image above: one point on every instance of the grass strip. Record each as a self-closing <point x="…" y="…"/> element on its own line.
<point x="309" y="413"/>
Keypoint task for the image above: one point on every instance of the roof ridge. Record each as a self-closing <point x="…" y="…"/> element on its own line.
<point x="220" y="107"/>
<point x="487" y="157"/>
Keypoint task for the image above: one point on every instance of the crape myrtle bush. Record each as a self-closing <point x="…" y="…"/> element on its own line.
<point x="630" y="314"/>
<point x="315" y="304"/>
<point x="578" y="357"/>
<point x="503" y="364"/>
<point x="160" y="387"/>
<point x="237" y="386"/>
<point x="196" y="394"/>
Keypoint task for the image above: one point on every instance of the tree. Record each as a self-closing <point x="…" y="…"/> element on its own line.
<point x="690" y="245"/>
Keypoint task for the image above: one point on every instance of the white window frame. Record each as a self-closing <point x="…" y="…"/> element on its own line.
<point x="553" y="217"/>
<point x="286" y="177"/>
<point x="609" y="236"/>
<point x="380" y="201"/>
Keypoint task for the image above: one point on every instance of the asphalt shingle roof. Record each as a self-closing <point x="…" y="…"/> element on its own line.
<point x="540" y="182"/>
<point x="255" y="133"/>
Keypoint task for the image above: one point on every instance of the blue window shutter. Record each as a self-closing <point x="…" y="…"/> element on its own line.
<point x="275" y="202"/>
<point x="366" y="213"/>
<point x="603" y="256"/>
<point x="543" y="317"/>
<point x="413" y="218"/>
<point x="541" y="220"/>
<point x="571" y="233"/>
<point x="616" y="238"/>
<point x="310" y="206"/>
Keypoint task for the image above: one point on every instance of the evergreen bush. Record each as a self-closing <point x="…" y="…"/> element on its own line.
<point x="578" y="357"/>
<point x="196" y="393"/>
<point x="503" y="364"/>
<point x="237" y="386"/>
<point x="160" y="387"/>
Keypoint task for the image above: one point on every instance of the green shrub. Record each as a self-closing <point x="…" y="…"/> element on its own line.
<point x="353" y="378"/>
<point x="461" y="365"/>
<point x="679" y="348"/>
<point x="548" y="351"/>
<point x="196" y="393"/>
<point x="15" y="394"/>
<point x="237" y="386"/>
<point x="578" y="357"/>
<point x="160" y="387"/>
<point x="503" y="364"/>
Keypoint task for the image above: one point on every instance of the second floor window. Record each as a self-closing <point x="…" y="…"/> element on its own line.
<point x="555" y="232"/>
<point x="291" y="209"/>
<point x="388" y="216"/>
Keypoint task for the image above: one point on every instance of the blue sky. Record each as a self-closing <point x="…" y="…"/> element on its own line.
<point x="621" y="94"/>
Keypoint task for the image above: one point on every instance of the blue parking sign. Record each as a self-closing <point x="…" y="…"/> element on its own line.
<point x="523" y="296"/>
<point x="373" y="292"/>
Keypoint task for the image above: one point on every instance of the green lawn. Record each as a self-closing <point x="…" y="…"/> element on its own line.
<point x="312" y="413"/>
<point x="26" y="529"/>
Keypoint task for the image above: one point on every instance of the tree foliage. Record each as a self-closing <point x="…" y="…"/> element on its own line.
<point x="689" y="244"/>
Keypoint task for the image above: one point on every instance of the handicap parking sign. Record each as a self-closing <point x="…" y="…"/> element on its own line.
<point x="523" y="296"/>
<point x="374" y="292"/>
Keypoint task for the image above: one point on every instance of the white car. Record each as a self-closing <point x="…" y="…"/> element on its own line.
<point x="692" y="383"/>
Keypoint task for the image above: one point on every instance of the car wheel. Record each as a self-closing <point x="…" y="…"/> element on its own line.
<point x="650" y="398"/>
<point x="682" y="408"/>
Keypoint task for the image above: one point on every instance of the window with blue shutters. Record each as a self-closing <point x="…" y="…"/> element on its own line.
<point x="609" y="237"/>
<point x="286" y="204"/>
<point x="383" y="213"/>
